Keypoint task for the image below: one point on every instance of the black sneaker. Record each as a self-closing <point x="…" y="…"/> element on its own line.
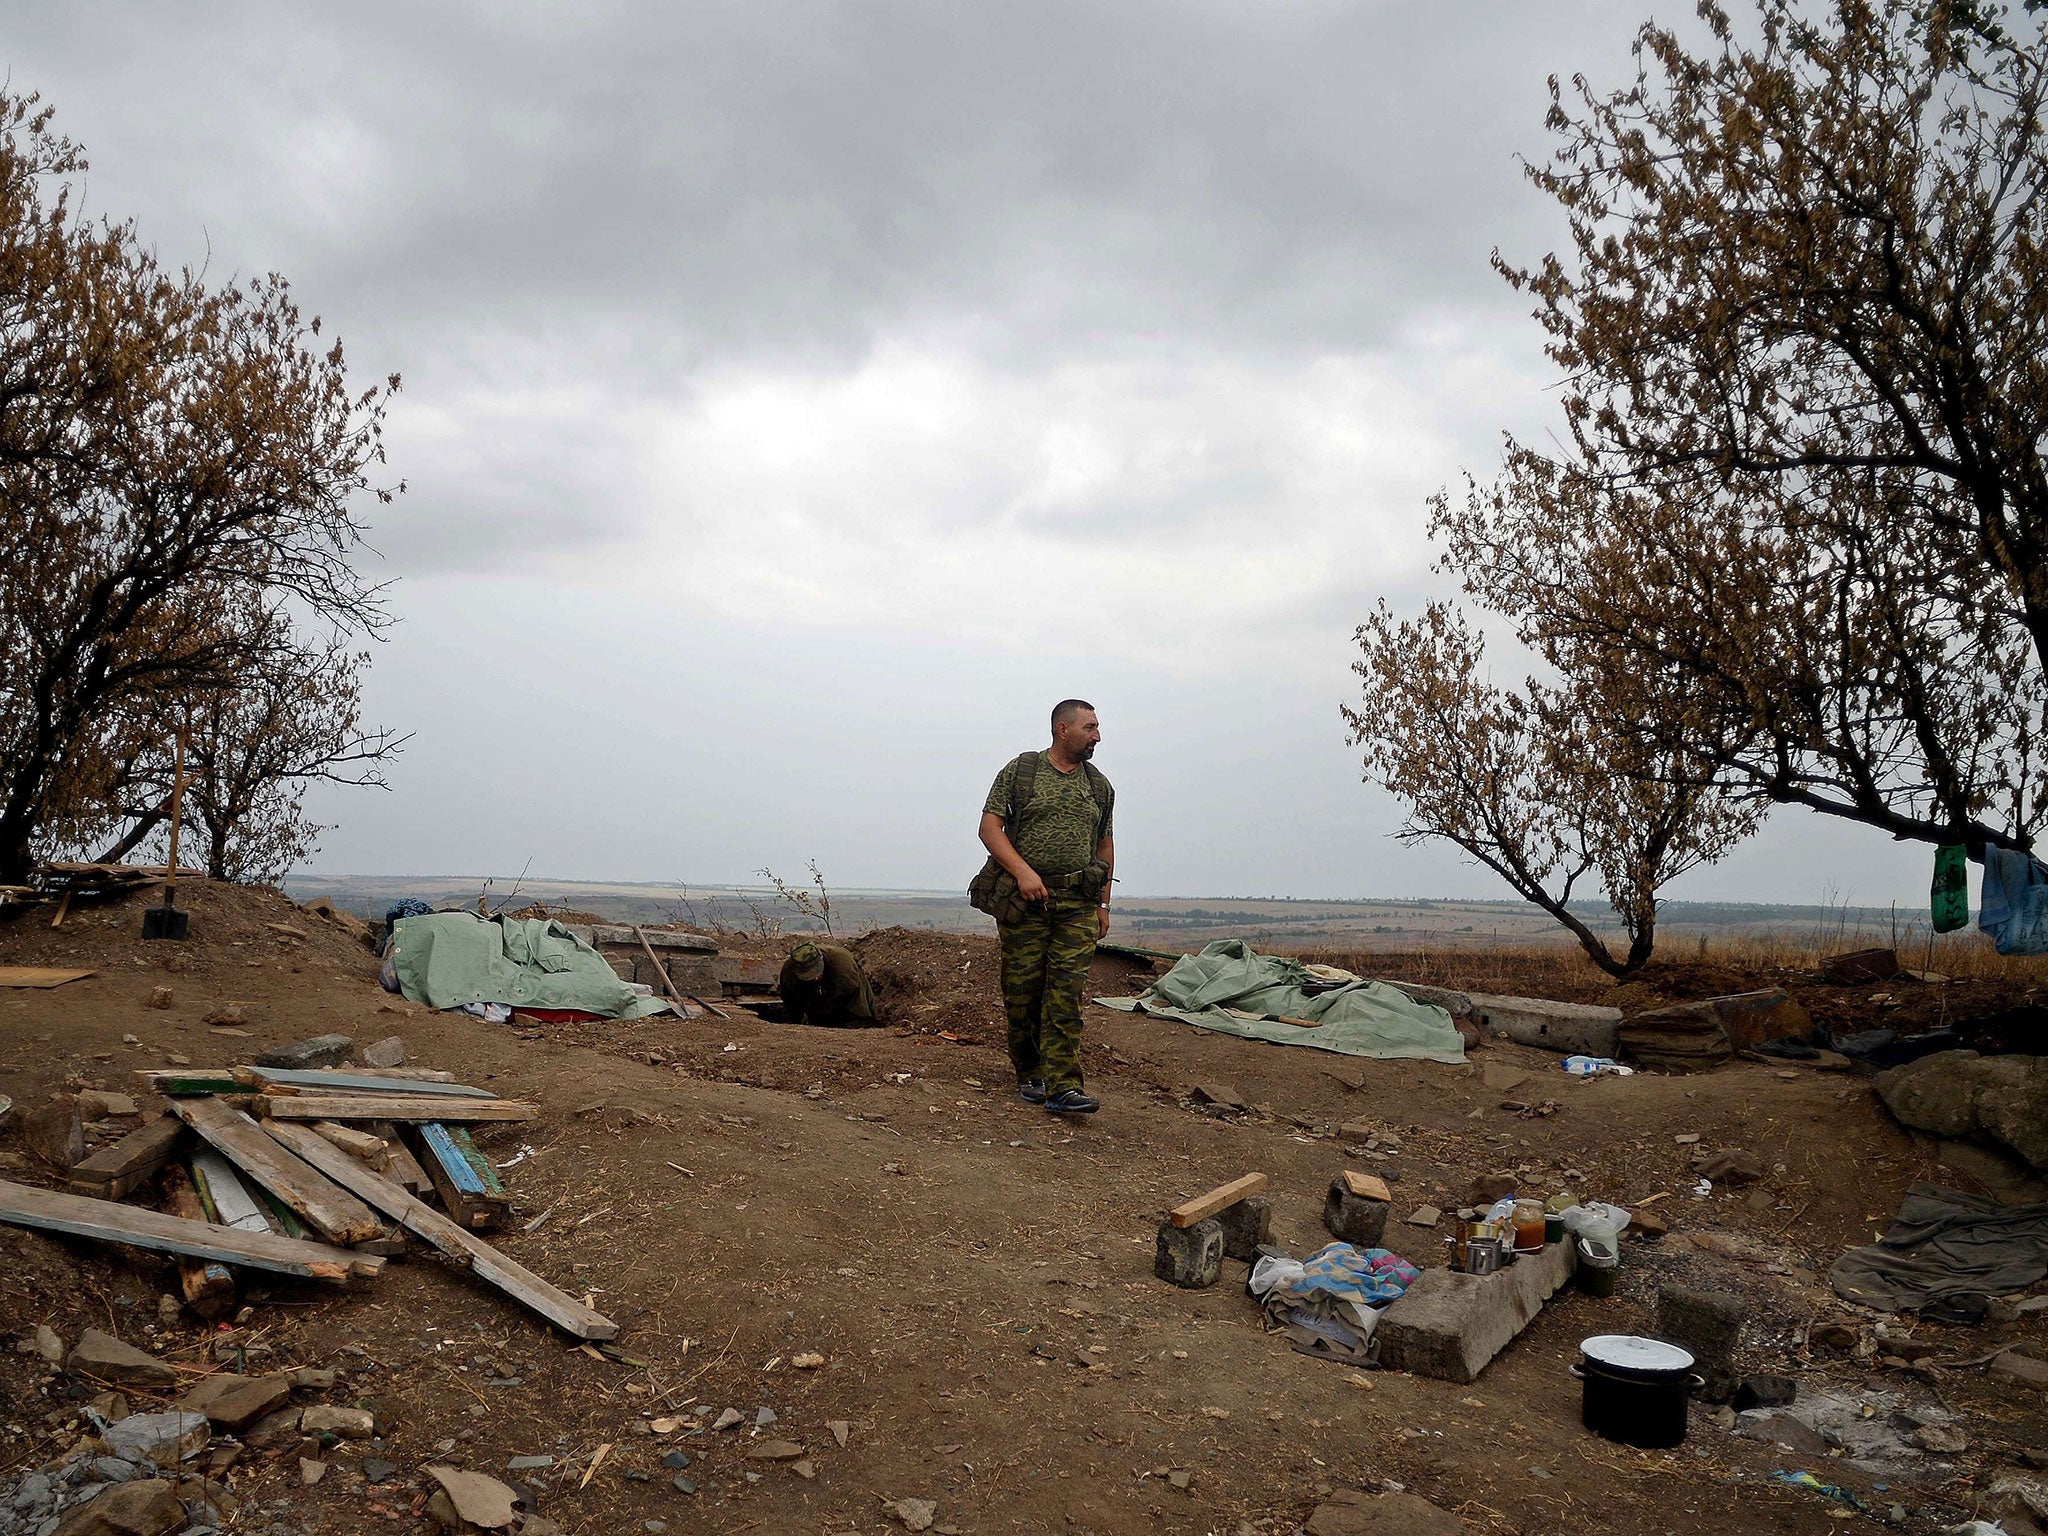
<point x="1031" y="1091"/>
<point x="1072" y="1101"/>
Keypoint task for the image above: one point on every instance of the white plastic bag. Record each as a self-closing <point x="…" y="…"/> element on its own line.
<point x="1272" y="1272"/>
<point x="1597" y="1222"/>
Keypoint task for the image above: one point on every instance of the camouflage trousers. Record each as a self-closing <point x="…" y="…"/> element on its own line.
<point x="1045" y="977"/>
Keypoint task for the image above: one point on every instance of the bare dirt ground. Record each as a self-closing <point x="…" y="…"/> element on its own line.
<point x="976" y="1273"/>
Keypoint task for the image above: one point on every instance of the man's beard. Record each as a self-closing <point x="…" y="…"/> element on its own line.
<point x="1087" y="752"/>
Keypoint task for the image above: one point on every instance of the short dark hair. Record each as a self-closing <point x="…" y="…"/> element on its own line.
<point x="1066" y="709"/>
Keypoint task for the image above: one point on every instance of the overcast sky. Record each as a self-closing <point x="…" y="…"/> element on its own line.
<point x="800" y="398"/>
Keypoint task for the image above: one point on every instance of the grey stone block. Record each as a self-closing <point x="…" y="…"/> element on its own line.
<point x="1351" y="1219"/>
<point x="1709" y="1324"/>
<point x="1570" y="1029"/>
<point x="1246" y="1226"/>
<point x="1190" y="1257"/>
<point x="1449" y="1325"/>
<point x="308" y="1055"/>
<point x="607" y="936"/>
<point x="388" y="1052"/>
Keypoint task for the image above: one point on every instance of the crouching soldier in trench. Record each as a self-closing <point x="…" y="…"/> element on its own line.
<point x="824" y="984"/>
<point x="1046" y="825"/>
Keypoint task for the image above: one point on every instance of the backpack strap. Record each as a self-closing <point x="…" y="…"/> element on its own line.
<point x="1023" y="785"/>
<point x="1105" y="797"/>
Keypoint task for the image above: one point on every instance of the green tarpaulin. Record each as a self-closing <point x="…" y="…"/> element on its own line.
<point x="453" y="959"/>
<point x="1359" y="1018"/>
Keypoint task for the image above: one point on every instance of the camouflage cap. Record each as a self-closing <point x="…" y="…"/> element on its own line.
<point x="809" y="961"/>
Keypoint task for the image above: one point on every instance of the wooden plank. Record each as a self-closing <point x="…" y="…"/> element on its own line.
<point x="1367" y="1186"/>
<point x="400" y="1166"/>
<point x="389" y="1106"/>
<point x="37" y="976"/>
<point x="1202" y="1207"/>
<point x="332" y="1212"/>
<point x="129" y="1163"/>
<point x="227" y="1200"/>
<point x="108" y="1221"/>
<point x="288" y="1079"/>
<point x="189" y="1082"/>
<point x="208" y="1284"/>
<point x="355" y="1143"/>
<point x="423" y="1221"/>
<point x="474" y="1203"/>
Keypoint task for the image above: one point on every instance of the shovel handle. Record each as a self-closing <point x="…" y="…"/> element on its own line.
<point x="177" y="800"/>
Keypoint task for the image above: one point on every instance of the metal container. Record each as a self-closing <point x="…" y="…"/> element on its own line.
<point x="1484" y="1255"/>
<point x="1634" y="1390"/>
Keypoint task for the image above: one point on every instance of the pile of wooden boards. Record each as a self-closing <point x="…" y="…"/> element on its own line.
<point x="305" y="1174"/>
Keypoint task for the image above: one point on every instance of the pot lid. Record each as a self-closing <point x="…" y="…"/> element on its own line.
<point x="1628" y="1351"/>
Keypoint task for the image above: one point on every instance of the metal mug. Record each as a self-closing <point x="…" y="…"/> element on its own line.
<point x="1482" y="1255"/>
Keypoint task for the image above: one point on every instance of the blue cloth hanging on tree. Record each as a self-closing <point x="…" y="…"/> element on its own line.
<point x="2014" y="906"/>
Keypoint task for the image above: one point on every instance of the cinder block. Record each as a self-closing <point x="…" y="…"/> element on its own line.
<point x="1190" y="1257"/>
<point x="1246" y="1225"/>
<point x="1352" y="1219"/>
<point x="1449" y="1325"/>
<point x="1709" y="1323"/>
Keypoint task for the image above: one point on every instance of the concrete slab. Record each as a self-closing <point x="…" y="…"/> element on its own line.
<point x="1570" y="1029"/>
<point x="606" y="935"/>
<point x="1449" y="1325"/>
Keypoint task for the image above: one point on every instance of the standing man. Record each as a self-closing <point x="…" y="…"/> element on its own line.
<point x="1046" y="825"/>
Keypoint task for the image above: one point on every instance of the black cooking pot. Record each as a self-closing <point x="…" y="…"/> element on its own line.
<point x="1634" y="1390"/>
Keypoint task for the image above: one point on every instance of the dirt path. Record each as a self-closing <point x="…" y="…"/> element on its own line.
<point x="976" y="1274"/>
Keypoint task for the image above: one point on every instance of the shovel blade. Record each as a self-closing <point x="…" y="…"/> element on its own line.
<point x="165" y="923"/>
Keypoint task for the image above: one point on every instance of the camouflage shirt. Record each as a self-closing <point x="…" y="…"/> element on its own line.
<point x="1057" y="831"/>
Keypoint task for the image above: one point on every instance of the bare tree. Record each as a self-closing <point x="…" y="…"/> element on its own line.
<point x="1803" y="329"/>
<point x="168" y="452"/>
<point x="1526" y="782"/>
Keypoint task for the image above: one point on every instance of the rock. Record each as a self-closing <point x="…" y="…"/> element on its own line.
<point x="675" y="1461"/>
<point x="55" y="1133"/>
<point x="807" y="1360"/>
<point x="105" y="1358"/>
<point x="1832" y="1336"/>
<point x="1570" y="1029"/>
<point x="1941" y="1440"/>
<point x="2012" y="1105"/>
<point x="1501" y="1078"/>
<point x="476" y="1497"/>
<point x="1751" y="1018"/>
<point x="227" y="1014"/>
<point x="100" y="1104"/>
<point x="1423" y="1216"/>
<point x="160" y="997"/>
<point x="308" y="1055"/>
<point x="540" y="1463"/>
<point x="1650" y="1223"/>
<point x="1489" y="1187"/>
<point x="775" y="1450"/>
<point x="1684" y="1038"/>
<point x="310" y="1471"/>
<point x="1709" y="1324"/>
<point x="1352" y="1218"/>
<point x="1218" y="1094"/>
<point x="1765" y="1392"/>
<point x="1855" y="967"/>
<point x="1348" y="1513"/>
<point x="1774" y="1428"/>
<point x="388" y="1052"/>
<point x="1735" y="1169"/>
<point x="377" y="1471"/>
<point x="349" y="1423"/>
<point x="912" y="1514"/>
<point x="2014" y="1366"/>
<point x="728" y="1419"/>
<point x="146" y="1508"/>
<point x="1246" y="1225"/>
<point x="764" y="1416"/>
<point x="279" y="1430"/>
<point x="1449" y="1325"/>
<point x="1936" y="1094"/>
<point x="840" y="1430"/>
<point x="165" y="1438"/>
<point x="235" y="1402"/>
<point x="1189" y="1257"/>
<point x="43" y="1341"/>
<point x="309" y="1378"/>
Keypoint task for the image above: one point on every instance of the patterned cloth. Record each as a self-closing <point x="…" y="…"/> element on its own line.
<point x="1370" y="1277"/>
<point x="1045" y="978"/>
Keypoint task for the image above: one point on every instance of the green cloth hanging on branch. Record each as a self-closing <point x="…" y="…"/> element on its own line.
<point x="1951" y="891"/>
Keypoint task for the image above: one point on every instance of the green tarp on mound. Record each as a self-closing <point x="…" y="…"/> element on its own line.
<point x="453" y="959"/>
<point x="1359" y="1018"/>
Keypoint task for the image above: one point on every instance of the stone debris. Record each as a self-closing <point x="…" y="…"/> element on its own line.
<point x="348" y="1423"/>
<point x="233" y="1402"/>
<point x="105" y="1358"/>
<point x="476" y="1498"/>
<point x="1423" y="1216"/>
<point x="388" y="1052"/>
<point x="163" y="1438"/>
<point x="310" y="1055"/>
<point x="912" y="1514"/>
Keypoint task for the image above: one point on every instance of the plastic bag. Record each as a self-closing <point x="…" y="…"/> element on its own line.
<point x="1272" y="1272"/>
<point x="1596" y="1221"/>
<point x="1596" y="1066"/>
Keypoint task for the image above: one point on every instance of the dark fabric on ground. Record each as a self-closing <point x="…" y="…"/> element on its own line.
<point x="1945" y="1244"/>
